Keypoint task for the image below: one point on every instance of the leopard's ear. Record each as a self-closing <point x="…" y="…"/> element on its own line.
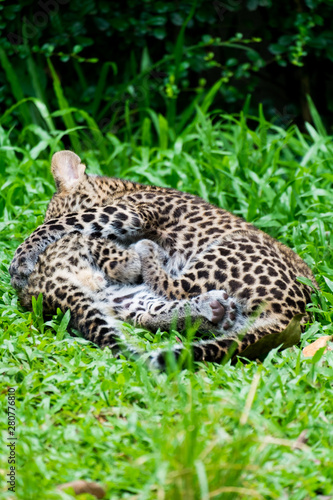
<point x="67" y="170"/>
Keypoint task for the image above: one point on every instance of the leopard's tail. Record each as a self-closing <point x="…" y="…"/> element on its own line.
<point x="251" y="343"/>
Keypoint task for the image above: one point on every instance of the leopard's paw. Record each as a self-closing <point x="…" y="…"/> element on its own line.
<point x="20" y="269"/>
<point x="220" y="309"/>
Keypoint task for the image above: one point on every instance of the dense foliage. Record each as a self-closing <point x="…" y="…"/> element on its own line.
<point x="164" y="54"/>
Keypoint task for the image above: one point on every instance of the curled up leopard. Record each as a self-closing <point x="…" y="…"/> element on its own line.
<point x="113" y="250"/>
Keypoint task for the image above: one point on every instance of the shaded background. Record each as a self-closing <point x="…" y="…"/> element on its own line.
<point x="111" y="57"/>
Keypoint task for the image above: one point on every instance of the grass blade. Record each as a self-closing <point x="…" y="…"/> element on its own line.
<point x="63" y="105"/>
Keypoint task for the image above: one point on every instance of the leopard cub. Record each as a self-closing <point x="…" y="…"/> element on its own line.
<point x="101" y="283"/>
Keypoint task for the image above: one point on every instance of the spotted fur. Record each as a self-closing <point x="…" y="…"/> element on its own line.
<point x="186" y="246"/>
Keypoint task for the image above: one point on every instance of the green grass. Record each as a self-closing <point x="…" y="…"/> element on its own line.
<point x="222" y="432"/>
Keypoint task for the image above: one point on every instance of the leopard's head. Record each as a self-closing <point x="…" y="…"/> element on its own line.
<point x="75" y="189"/>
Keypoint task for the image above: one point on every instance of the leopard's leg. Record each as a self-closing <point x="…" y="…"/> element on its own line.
<point x="120" y="264"/>
<point x="160" y="280"/>
<point x="117" y="222"/>
<point x="141" y="307"/>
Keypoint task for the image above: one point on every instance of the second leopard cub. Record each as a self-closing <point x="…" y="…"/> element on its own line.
<point x="99" y="281"/>
<point x="191" y="248"/>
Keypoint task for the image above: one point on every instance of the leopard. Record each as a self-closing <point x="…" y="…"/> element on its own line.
<point x="187" y="247"/>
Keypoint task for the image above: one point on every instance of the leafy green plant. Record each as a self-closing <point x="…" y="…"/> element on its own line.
<point x="164" y="56"/>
